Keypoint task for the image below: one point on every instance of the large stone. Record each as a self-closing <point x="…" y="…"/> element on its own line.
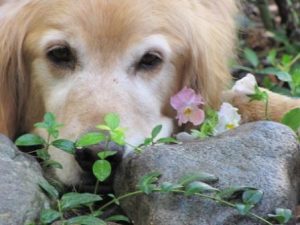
<point x="21" y="199"/>
<point x="264" y="155"/>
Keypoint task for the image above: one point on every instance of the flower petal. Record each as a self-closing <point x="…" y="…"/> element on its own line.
<point x="197" y="116"/>
<point x="228" y="118"/>
<point x="245" y="85"/>
<point x="186" y="97"/>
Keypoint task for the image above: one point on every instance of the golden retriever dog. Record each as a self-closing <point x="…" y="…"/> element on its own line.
<point x="83" y="59"/>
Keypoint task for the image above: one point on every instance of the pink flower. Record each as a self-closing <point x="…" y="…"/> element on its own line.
<point x="186" y="103"/>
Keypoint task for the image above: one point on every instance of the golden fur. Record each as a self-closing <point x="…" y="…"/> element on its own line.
<point x="196" y="36"/>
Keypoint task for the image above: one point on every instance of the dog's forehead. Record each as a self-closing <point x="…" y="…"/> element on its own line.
<point x="109" y="24"/>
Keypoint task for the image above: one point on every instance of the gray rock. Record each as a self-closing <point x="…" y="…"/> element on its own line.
<point x="264" y="155"/>
<point x="20" y="196"/>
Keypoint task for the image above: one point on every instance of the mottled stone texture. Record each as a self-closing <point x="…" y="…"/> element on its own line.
<point x="262" y="154"/>
<point x="20" y="196"/>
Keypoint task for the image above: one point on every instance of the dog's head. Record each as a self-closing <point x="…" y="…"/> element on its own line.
<point x="83" y="60"/>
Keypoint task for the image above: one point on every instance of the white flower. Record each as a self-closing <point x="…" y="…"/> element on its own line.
<point x="185" y="137"/>
<point x="245" y="85"/>
<point x="228" y="118"/>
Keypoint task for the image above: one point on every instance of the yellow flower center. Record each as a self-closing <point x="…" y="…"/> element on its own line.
<point x="230" y="126"/>
<point x="187" y="111"/>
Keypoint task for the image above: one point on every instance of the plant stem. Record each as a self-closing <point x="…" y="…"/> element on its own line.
<point x="106" y="149"/>
<point x="121" y="198"/>
<point x="266" y="17"/>
<point x="96" y="187"/>
<point x="61" y="212"/>
<point x="215" y="199"/>
<point x="267" y="108"/>
<point x="225" y="203"/>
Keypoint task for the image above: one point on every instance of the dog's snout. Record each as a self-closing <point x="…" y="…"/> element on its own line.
<point x="87" y="156"/>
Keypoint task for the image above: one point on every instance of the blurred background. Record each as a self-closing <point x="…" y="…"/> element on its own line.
<point x="269" y="44"/>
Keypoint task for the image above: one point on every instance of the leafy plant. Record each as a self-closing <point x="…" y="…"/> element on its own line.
<point x="243" y="199"/>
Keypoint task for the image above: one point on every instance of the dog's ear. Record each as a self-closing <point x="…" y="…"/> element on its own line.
<point x="210" y="42"/>
<point x="13" y="80"/>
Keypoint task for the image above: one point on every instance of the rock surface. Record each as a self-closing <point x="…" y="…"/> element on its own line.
<point x="264" y="155"/>
<point x="20" y="196"/>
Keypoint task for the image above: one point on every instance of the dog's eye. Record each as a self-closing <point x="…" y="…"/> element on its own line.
<point x="149" y="61"/>
<point x="61" y="56"/>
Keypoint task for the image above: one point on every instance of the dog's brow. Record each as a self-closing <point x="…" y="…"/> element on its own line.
<point x="153" y="42"/>
<point x="52" y="36"/>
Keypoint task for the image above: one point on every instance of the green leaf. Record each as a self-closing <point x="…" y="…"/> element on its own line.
<point x="85" y="220"/>
<point x="118" y="218"/>
<point x="156" y="130"/>
<point x="251" y="56"/>
<point x="199" y="187"/>
<point x="259" y="95"/>
<point x="43" y="154"/>
<point x="49" y="189"/>
<point x="272" y="56"/>
<point x="233" y="192"/>
<point x="147" y="183"/>
<point x="243" y="209"/>
<point x="49" y="216"/>
<point x="167" y="187"/>
<point x="52" y="164"/>
<point x="102" y="169"/>
<point x="50" y="124"/>
<point x="114" y="198"/>
<point x="89" y="139"/>
<point x="244" y="68"/>
<point x="282" y="215"/>
<point x="167" y="140"/>
<point x="30" y="140"/>
<point x="118" y="136"/>
<point x="208" y="126"/>
<point x="201" y="176"/>
<point x="292" y="119"/>
<point x="112" y="120"/>
<point x="284" y="76"/>
<point x="286" y="60"/>
<point x="73" y="200"/>
<point x="103" y="127"/>
<point x="252" y="197"/>
<point x="65" y="145"/>
<point x="147" y="141"/>
<point x="281" y="75"/>
<point x="105" y="154"/>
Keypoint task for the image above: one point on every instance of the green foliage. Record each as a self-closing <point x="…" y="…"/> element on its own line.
<point x="102" y="169"/>
<point x="147" y="183"/>
<point x="198" y="187"/>
<point x="118" y="218"/>
<point x="73" y="200"/>
<point x="49" y="216"/>
<point x="200" y="176"/>
<point x="116" y="134"/>
<point x="65" y="145"/>
<point x="30" y="140"/>
<point x="50" y="124"/>
<point x="243" y="199"/>
<point x="85" y="220"/>
<point x="208" y="126"/>
<point x="292" y="119"/>
<point x="282" y="216"/>
<point x="251" y="56"/>
<point x="49" y="189"/>
<point x="89" y="139"/>
<point x="152" y="140"/>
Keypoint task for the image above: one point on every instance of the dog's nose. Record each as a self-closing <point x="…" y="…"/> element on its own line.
<point x="87" y="156"/>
